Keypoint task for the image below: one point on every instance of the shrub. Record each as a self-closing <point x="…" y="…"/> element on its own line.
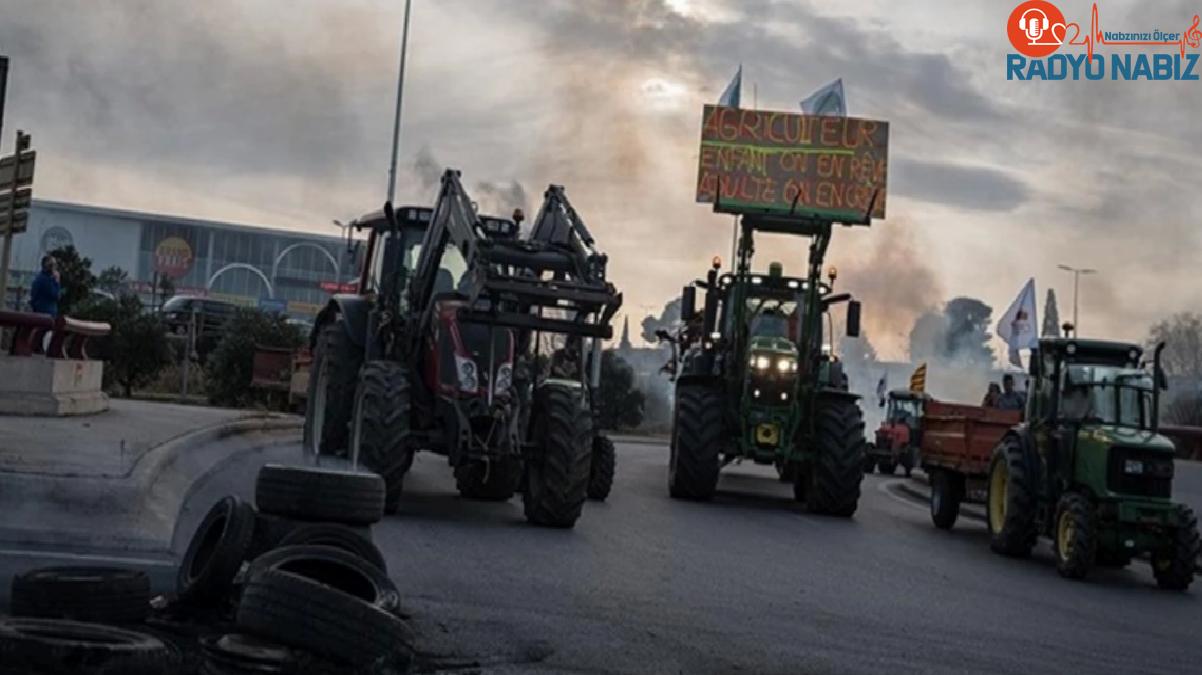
<point x="228" y="368"/>
<point x="137" y="348"/>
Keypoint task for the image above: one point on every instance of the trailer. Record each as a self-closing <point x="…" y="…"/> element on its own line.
<point x="957" y="446"/>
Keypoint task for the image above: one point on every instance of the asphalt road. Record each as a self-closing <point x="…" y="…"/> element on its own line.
<point x="746" y="584"/>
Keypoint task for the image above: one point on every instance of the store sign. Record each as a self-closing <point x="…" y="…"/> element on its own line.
<point x="173" y="257"/>
<point x="336" y="287"/>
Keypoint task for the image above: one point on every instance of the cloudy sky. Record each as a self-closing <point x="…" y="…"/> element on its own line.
<point x="278" y="112"/>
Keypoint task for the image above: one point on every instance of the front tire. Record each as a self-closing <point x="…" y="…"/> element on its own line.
<point x="333" y="377"/>
<point x="557" y="480"/>
<point x="694" y="462"/>
<point x="835" y="474"/>
<point x="1076" y="541"/>
<point x="1173" y="566"/>
<point x="380" y="430"/>
<point x="1010" y="506"/>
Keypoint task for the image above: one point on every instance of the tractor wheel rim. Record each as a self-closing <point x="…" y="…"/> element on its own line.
<point x="999" y="485"/>
<point x="1066" y="531"/>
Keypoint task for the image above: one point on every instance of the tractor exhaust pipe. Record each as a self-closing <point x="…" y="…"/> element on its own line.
<point x="1158" y="382"/>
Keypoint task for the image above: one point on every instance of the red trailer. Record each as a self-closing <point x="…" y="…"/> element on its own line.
<point x="957" y="445"/>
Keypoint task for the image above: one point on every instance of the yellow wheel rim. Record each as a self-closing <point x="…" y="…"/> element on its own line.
<point x="1065" y="532"/>
<point x="999" y="481"/>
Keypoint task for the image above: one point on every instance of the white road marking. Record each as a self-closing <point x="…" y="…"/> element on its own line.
<point x="89" y="557"/>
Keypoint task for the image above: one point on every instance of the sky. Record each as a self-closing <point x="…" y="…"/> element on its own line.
<point x="279" y="113"/>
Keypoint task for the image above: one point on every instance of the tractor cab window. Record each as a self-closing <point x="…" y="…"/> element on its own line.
<point x="771" y="318"/>
<point x="450" y="273"/>
<point x="1108" y="395"/>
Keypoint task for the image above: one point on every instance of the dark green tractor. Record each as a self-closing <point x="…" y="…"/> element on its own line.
<point x="755" y="381"/>
<point x="1088" y="469"/>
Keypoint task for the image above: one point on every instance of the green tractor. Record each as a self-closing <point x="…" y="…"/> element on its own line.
<point x="1088" y="469"/>
<point x="754" y="381"/>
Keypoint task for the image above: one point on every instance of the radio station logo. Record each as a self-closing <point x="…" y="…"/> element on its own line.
<point x="1048" y="48"/>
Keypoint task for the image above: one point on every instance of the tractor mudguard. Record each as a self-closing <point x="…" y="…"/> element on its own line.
<point x="831" y="392"/>
<point x="699" y="379"/>
<point x="353" y="309"/>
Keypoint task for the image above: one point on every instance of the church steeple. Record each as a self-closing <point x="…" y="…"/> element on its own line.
<point x="624" y="344"/>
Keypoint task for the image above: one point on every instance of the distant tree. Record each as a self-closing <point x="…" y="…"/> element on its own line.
<point x="619" y="404"/>
<point x="75" y="276"/>
<point x="667" y="320"/>
<point x="960" y="333"/>
<point x="137" y="348"/>
<point x="1051" y="316"/>
<point x="1182" y="335"/>
<point x="927" y="336"/>
<point x="112" y="280"/>
<point x="228" y="368"/>
<point x="968" y="334"/>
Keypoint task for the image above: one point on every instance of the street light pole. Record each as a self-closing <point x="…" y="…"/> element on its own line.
<point x="1077" y="272"/>
<point x="400" y="90"/>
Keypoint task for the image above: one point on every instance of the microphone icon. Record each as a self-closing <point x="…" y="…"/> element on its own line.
<point x="1034" y="28"/>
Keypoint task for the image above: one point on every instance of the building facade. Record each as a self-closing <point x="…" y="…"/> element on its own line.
<point x="278" y="270"/>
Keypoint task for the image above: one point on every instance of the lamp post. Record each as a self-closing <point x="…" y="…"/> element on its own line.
<point x="1076" y="272"/>
<point x="400" y="90"/>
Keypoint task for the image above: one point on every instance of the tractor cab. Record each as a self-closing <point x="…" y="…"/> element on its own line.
<point x="899" y="437"/>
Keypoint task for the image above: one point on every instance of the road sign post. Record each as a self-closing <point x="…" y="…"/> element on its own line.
<point x="16" y="172"/>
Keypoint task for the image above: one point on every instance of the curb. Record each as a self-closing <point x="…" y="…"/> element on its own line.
<point x="137" y="511"/>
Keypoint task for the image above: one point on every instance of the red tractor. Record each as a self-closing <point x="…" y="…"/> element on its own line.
<point x="899" y="437"/>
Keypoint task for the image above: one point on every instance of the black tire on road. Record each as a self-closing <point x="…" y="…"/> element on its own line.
<point x="869" y="464"/>
<point x="336" y="536"/>
<point x="300" y="612"/>
<point x="1173" y="566"/>
<point x="947" y="491"/>
<point x="320" y="495"/>
<point x="557" y="478"/>
<point x="1013" y="529"/>
<point x="381" y="428"/>
<point x="494" y="481"/>
<point x="835" y="474"/>
<point x="887" y="467"/>
<point x="601" y="472"/>
<point x="695" y="458"/>
<point x="101" y="594"/>
<point x="333" y="566"/>
<point x="336" y="361"/>
<point x="1074" y="537"/>
<point x="29" y="645"/>
<point x="221" y="544"/>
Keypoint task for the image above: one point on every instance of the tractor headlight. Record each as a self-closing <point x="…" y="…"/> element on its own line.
<point x="469" y="379"/>
<point x="786" y="365"/>
<point x="762" y="363"/>
<point x="504" y="378"/>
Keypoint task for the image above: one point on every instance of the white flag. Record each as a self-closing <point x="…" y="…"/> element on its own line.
<point x="828" y="100"/>
<point x="730" y="96"/>
<point x="1018" y="325"/>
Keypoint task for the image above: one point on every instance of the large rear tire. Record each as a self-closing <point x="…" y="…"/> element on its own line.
<point x="1010" y="506"/>
<point x="333" y="375"/>
<point x="380" y="428"/>
<point x="601" y="475"/>
<point x="557" y="478"/>
<point x="835" y="474"/>
<point x="697" y="441"/>
<point x="1173" y="566"/>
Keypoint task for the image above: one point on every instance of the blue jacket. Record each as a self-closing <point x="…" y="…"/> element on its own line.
<point x="43" y="296"/>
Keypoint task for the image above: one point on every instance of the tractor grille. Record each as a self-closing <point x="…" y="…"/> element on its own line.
<point x="1140" y="473"/>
